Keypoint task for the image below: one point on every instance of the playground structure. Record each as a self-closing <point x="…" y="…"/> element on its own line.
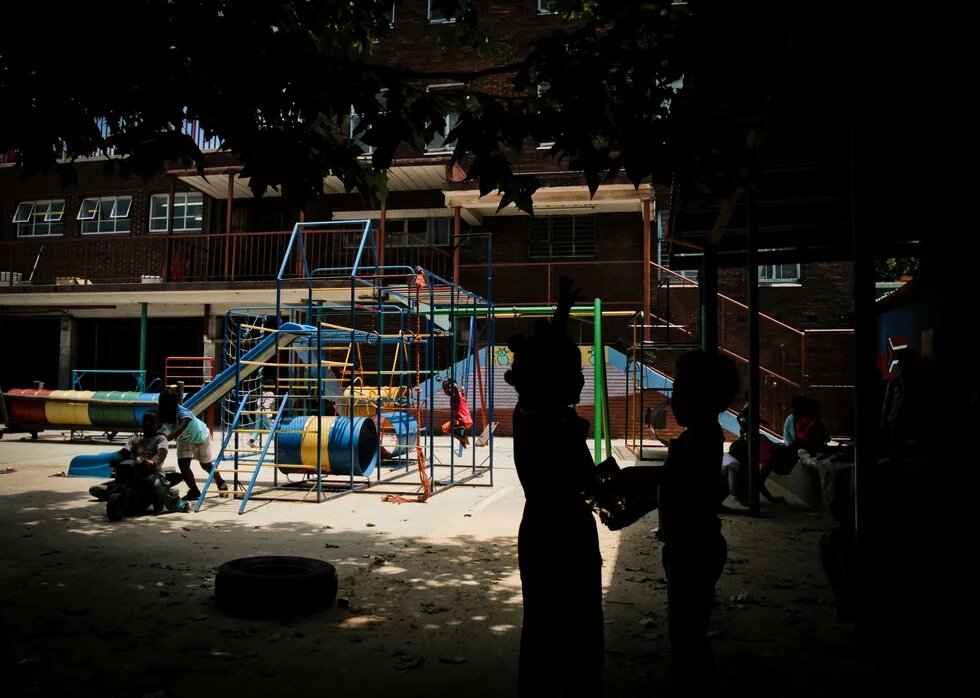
<point x="342" y="393"/>
<point x="353" y="381"/>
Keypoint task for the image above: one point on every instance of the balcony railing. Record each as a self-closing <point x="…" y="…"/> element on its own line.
<point x="222" y="257"/>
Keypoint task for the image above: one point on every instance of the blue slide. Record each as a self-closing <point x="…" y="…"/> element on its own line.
<point x="97" y="464"/>
<point x="219" y="386"/>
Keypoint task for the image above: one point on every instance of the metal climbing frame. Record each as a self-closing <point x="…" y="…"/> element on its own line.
<point x="359" y="358"/>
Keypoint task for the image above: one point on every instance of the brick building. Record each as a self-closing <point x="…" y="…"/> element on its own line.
<point x="79" y="263"/>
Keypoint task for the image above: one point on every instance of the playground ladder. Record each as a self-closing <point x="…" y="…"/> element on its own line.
<point x="256" y="466"/>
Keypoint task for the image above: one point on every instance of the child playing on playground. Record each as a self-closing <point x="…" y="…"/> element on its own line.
<point x="193" y="441"/>
<point x="148" y="451"/>
<point x="562" y="646"/>
<point x="460" y="419"/>
<point x="694" y="549"/>
<point x="263" y="421"/>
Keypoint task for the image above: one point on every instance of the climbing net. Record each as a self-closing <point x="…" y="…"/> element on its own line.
<point x="242" y="333"/>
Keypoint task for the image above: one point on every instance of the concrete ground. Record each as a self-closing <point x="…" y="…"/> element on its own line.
<point x="93" y="608"/>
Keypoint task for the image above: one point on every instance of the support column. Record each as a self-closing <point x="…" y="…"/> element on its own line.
<point x="143" y="311"/>
<point x="211" y="349"/>
<point x="646" y="270"/>
<point x="382" y="228"/>
<point x="67" y="352"/>
<point x="212" y="337"/>
<point x="866" y="422"/>
<point x="457" y="231"/>
<point x="752" y="241"/>
<point x="709" y="299"/>
<point x="230" y="200"/>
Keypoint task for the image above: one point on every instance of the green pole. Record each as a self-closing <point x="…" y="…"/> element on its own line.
<point x="143" y="336"/>
<point x="597" y="387"/>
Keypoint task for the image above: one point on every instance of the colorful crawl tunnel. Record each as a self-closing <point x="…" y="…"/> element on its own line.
<point x="78" y="408"/>
<point x="69" y="407"/>
<point x="348" y="447"/>
<point x="26" y="406"/>
<point x="113" y="408"/>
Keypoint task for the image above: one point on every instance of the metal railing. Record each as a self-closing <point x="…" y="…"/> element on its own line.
<point x="193" y="257"/>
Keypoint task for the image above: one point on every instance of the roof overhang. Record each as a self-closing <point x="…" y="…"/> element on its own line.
<point x="163" y="300"/>
<point x="215" y="182"/>
<point x="553" y="201"/>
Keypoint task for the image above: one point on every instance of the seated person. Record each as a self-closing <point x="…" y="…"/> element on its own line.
<point x="810" y="431"/>
<point x="147" y="451"/>
<point x="811" y="436"/>
<point x="797" y="406"/>
<point x="735" y="480"/>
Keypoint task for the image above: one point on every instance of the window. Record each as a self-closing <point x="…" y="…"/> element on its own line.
<point x="440" y="142"/>
<point x="562" y="236"/>
<point x="415" y="232"/>
<point x="40" y="218"/>
<point x="106" y="214"/>
<point x="542" y="90"/>
<point x="436" y="15"/>
<point x="355" y="120"/>
<point x="543" y="7"/>
<point x="779" y="273"/>
<point x="188" y="212"/>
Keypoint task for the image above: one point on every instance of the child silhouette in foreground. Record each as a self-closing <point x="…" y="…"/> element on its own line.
<point x="562" y="650"/>
<point x="694" y="549"/>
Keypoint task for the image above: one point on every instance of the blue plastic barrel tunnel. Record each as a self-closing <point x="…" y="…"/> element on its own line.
<point x="348" y="447"/>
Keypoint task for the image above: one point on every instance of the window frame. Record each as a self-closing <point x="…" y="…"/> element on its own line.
<point x="28" y="213"/>
<point x="92" y="216"/>
<point x="541" y="90"/>
<point x="450" y="121"/>
<point x="413" y="239"/>
<point x="461" y="5"/>
<point x="575" y="219"/>
<point x="766" y="279"/>
<point x="177" y="206"/>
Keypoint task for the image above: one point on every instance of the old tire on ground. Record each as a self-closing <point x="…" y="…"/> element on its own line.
<point x="275" y="585"/>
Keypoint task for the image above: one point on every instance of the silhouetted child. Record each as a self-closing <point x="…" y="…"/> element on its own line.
<point x="694" y="550"/>
<point x="193" y="441"/>
<point x="562" y="648"/>
<point x="460" y="419"/>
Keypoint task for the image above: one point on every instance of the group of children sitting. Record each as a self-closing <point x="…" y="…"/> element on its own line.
<point x="802" y="429"/>
<point x="146" y="452"/>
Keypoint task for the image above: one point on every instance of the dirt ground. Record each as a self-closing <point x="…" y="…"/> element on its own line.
<point x="93" y="608"/>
